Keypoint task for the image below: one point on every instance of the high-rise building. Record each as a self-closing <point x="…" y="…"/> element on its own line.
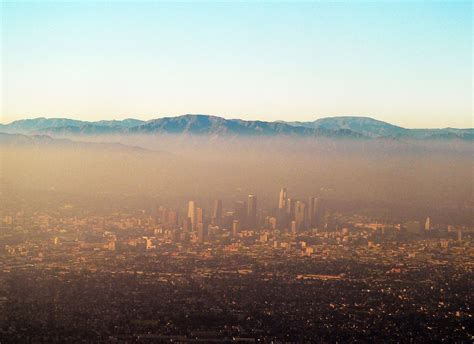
<point x="293" y="227"/>
<point x="217" y="212"/>
<point x="281" y="215"/>
<point x="200" y="215"/>
<point x="240" y="212"/>
<point x="271" y="222"/>
<point x="227" y="219"/>
<point x="252" y="211"/>
<point x="319" y="213"/>
<point x="172" y="218"/>
<point x="192" y="214"/>
<point x="200" y="232"/>
<point x="290" y="208"/>
<point x="282" y="199"/>
<point x="300" y="215"/>
<point x="212" y="231"/>
<point x="428" y="224"/>
<point x="313" y="212"/>
<point x="235" y="228"/>
<point x="187" y="225"/>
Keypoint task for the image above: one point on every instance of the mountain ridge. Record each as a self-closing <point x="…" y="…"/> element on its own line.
<point x="354" y="127"/>
<point x="21" y="140"/>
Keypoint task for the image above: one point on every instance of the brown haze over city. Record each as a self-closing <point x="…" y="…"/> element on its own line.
<point x="407" y="177"/>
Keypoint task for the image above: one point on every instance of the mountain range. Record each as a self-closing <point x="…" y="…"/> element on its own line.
<point x="337" y="127"/>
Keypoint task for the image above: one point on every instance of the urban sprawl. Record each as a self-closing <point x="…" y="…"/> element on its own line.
<point x="298" y="272"/>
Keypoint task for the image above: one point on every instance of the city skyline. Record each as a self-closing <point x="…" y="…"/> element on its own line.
<point x="145" y="274"/>
<point x="404" y="63"/>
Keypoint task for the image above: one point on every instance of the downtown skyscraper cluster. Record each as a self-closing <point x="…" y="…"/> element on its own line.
<point x="291" y="215"/>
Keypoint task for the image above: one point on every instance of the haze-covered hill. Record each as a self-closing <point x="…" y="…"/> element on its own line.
<point x="45" y="141"/>
<point x="364" y="125"/>
<point x="43" y="125"/>
<point x="213" y="125"/>
<point x="373" y="128"/>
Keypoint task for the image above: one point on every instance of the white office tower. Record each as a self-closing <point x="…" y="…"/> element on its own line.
<point x="428" y="224"/>
<point x="282" y="199"/>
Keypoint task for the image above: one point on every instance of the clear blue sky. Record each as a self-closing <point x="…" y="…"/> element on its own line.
<point x="409" y="63"/>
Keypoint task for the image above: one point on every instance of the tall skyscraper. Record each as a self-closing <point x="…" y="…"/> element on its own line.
<point x="282" y="216"/>
<point x="252" y="211"/>
<point x="172" y="218"/>
<point x="300" y="215"/>
<point x="313" y="212"/>
<point x="217" y="212"/>
<point x="290" y="208"/>
<point x="192" y="214"/>
<point x="240" y="212"/>
<point x="187" y="225"/>
<point x="428" y="224"/>
<point x="310" y="211"/>
<point x="293" y="228"/>
<point x="200" y="215"/>
<point x="235" y="228"/>
<point x="282" y="199"/>
<point x="200" y="232"/>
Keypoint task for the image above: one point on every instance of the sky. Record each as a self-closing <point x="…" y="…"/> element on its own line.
<point x="407" y="63"/>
